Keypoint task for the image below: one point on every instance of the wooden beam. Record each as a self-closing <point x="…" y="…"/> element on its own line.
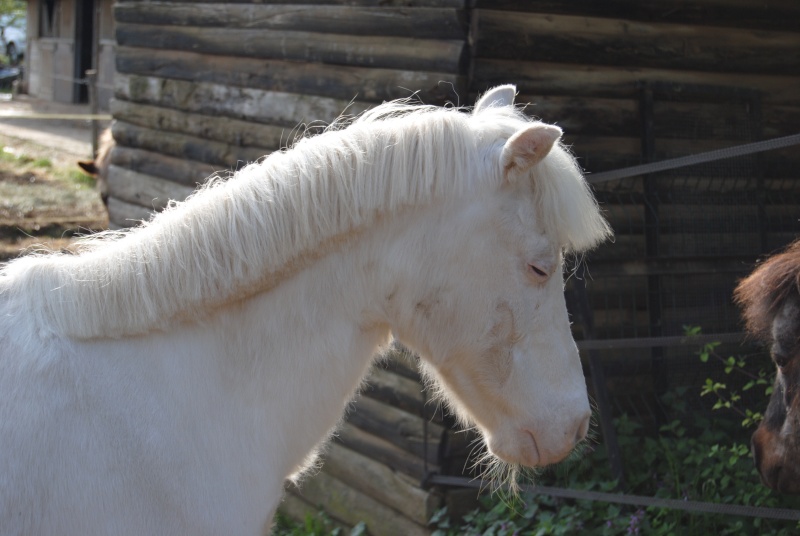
<point x="122" y="214"/>
<point x="779" y="15"/>
<point x="179" y="170"/>
<point x="600" y="41"/>
<point x="234" y="132"/>
<point x="374" y="479"/>
<point x="150" y="192"/>
<point x="418" y="22"/>
<point x="332" y="81"/>
<point x="374" y="51"/>
<point x="352" y="507"/>
<point x="381" y="450"/>
<point x="546" y="78"/>
<point x="277" y="108"/>
<point x="217" y="154"/>
<point x="403" y="429"/>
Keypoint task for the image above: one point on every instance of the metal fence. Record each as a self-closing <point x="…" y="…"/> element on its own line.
<point x="704" y="201"/>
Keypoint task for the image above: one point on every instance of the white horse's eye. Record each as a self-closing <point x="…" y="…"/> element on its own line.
<point x="537" y="272"/>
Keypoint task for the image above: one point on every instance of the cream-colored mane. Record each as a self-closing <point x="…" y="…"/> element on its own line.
<point x="236" y="237"/>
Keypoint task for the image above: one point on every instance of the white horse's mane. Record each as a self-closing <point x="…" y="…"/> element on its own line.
<point x="235" y="237"/>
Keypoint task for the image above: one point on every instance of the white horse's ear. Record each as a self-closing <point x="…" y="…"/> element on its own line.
<point x="528" y="147"/>
<point x="497" y="96"/>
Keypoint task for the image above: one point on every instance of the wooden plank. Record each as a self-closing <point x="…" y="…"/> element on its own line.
<point x="550" y="78"/>
<point x="457" y="4"/>
<point x="351" y="506"/>
<point x="388" y="487"/>
<point x="122" y="214"/>
<point x="150" y="192"/>
<point x="400" y="392"/>
<point x="585" y="116"/>
<point x="599" y="41"/>
<point x="722" y="119"/>
<point x="379" y="449"/>
<point x="181" y="145"/>
<point x="297" y="508"/>
<point x="235" y="132"/>
<point x="389" y="52"/>
<point x="403" y="429"/>
<point x="179" y="170"/>
<point x="332" y="81"/>
<point x="249" y="104"/>
<point x="418" y="22"/>
<point x="773" y="15"/>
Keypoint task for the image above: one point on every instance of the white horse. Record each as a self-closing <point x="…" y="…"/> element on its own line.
<point x="169" y="379"/>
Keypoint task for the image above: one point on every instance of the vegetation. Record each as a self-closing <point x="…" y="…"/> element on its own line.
<point x="695" y="456"/>
<point x="319" y="525"/>
<point x="12" y="11"/>
<point x="19" y="164"/>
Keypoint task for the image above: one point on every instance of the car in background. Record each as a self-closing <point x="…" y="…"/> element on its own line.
<point x="14" y="40"/>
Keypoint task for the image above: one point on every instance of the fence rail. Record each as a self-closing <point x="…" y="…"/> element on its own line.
<point x="590" y="345"/>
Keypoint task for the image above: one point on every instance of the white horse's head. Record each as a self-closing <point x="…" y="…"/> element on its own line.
<point x="487" y="310"/>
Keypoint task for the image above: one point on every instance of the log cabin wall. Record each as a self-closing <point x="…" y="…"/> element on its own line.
<point x="204" y="87"/>
<point x="210" y="86"/>
<point x="632" y="82"/>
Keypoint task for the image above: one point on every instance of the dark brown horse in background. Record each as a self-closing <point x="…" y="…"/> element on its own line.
<point x="770" y="299"/>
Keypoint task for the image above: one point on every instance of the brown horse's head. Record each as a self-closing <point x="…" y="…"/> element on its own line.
<point x="770" y="298"/>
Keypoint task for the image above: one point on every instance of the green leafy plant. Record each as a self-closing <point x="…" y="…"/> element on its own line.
<point x="692" y="457"/>
<point x="754" y="375"/>
<point x="319" y="524"/>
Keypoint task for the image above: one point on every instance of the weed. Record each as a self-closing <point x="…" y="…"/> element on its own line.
<point x="693" y="457"/>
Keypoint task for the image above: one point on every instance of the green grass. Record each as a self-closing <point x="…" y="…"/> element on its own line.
<point x="22" y="163"/>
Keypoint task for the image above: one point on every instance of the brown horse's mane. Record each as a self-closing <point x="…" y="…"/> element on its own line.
<point x="763" y="292"/>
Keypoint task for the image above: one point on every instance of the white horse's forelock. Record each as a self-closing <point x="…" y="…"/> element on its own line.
<point x="236" y="237"/>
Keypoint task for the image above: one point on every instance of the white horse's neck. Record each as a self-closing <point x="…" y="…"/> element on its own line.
<point x="288" y="361"/>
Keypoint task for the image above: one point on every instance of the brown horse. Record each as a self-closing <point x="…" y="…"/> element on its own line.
<point x="770" y="298"/>
<point x="98" y="168"/>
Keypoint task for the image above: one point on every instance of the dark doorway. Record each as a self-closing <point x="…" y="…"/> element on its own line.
<point x="84" y="47"/>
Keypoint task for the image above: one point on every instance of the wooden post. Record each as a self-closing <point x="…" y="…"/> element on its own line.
<point x="91" y="82"/>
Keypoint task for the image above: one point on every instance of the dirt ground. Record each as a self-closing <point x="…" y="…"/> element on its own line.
<point x="44" y="198"/>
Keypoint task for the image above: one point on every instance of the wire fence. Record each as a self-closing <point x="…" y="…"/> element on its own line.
<point x="687" y="228"/>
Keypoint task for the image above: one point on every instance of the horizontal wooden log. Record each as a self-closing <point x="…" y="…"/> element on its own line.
<point x="296" y="508"/>
<point x="257" y="105"/>
<point x="725" y="119"/>
<point x="622" y="42"/>
<point x="332" y="81"/>
<point x="402" y="361"/>
<point x="352" y="507"/>
<point x="144" y="190"/>
<point x="613" y="82"/>
<point x="585" y="116"/>
<point x="122" y="214"/>
<point x="235" y="132"/>
<point x="178" y="170"/>
<point x="456" y="4"/>
<point x="374" y="479"/>
<point x="399" y="392"/>
<point x="217" y="154"/>
<point x="374" y="51"/>
<point x="405" y="430"/>
<point x="420" y="22"/>
<point x="777" y="15"/>
<point x="379" y="449"/>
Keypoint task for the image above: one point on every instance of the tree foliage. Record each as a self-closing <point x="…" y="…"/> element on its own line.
<point x="11" y="12"/>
